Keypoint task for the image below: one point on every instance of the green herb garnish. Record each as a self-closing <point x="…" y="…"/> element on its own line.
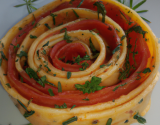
<point x="53" y="16"/>
<point x="3" y="57"/>
<point x="29" y="4"/>
<point x="9" y="86"/>
<point x="63" y="29"/>
<point x="71" y="1"/>
<point x="33" y="74"/>
<point x="70" y="120"/>
<point x="15" y="47"/>
<point x="140" y="101"/>
<point x="73" y="107"/>
<point x="69" y="75"/>
<point x="86" y="99"/>
<point x="122" y="38"/>
<point x="84" y="66"/>
<point x="46" y="44"/>
<point x="101" y="9"/>
<point x="66" y="37"/>
<point x="116" y="49"/>
<point x="109" y="121"/>
<point x="59" y="87"/>
<point x="79" y="59"/>
<point x="126" y="121"/>
<point x="64" y="106"/>
<point x="75" y="13"/>
<point x="47" y="68"/>
<point x="22" y="53"/>
<point x="27" y="113"/>
<point x="147" y="70"/>
<point x="20" y="28"/>
<point x="101" y="66"/>
<point x="91" y="45"/>
<point x="50" y="92"/>
<point x="33" y="37"/>
<point x="91" y="86"/>
<point x="46" y="24"/>
<point x="63" y="69"/>
<point x="137" y="29"/>
<point x="139" y="118"/>
<point x="80" y="3"/>
<point x="119" y="86"/>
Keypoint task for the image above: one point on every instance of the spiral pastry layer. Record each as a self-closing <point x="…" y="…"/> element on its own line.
<point x="66" y="64"/>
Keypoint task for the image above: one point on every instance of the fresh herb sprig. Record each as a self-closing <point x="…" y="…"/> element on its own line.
<point x="136" y="6"/>
<point x="91" y="86"/>
<point x="29" y="4"/>
<point x="101" y="9"/>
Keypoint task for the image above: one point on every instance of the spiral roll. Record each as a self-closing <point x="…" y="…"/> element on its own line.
<point x="66" y="64"/>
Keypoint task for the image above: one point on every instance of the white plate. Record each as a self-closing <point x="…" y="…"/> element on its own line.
<point x="10" y="15"/>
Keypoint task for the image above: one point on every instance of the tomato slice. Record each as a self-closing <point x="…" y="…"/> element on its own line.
<point x="69" y="52"/>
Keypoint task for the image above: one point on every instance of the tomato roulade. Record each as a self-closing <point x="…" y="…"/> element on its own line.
<point x="64" y="63"/>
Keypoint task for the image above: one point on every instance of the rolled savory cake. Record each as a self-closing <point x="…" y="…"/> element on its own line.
<point x="80" y="62"/>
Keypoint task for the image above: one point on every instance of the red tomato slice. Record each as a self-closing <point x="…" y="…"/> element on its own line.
<point x="70" y="52"/>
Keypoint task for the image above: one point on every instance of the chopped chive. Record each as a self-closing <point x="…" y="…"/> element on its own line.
<point x="67" y="37"/>
<point x="73" y="107"/>
<point x="64" y="106"/>
<point x="71" y="1"/>
<point x="69" y="75"/>
<point x="101" y="9"/>
<point x="116" y="49"/>
<point x="147" y="70"/>
<point x="63" y="29"/>
<point x="50" y="92"/>
<point x="33" y="37"/>
<point x="91" y="45"/>
<point x="140" y="101"/>
<point x="75" y="13"/>
<point x="126" y="121"/>
<point x="101" y="66"/>
<point x="63" y="69"/>
<point x="73" y="119"/>
<point x="122" y="38"/>
<point x="22" y="53"/>
<point x="46" y="44"/>
<point x="53" y="16"/>
<point x="47" y="26"/>
<point x="27" y="114"/>
<point x="119" y="86"/>
<point x="9" y="86"/>
<point x="80" y="3"/>
<point x="109" y="121"/>
<point x="16" y="60"/>
<point x="21" y="78"/>
<point x="59" y="87"/>
<point x="139" y="118"/>
<point x="118" y="30"/>
<point x="22" y="105"/>
<point x="86" y="99"/>
<point x="20" y="28"/>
